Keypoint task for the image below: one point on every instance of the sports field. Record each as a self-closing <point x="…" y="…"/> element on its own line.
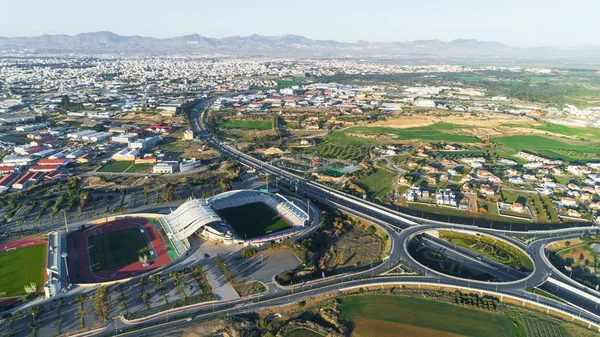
<point x="20" y="267"/>
<point x="116" y="249"/>
<point x="382" y="315"/>
<point x="378" y="184"/>
<point x="253" y="220"/>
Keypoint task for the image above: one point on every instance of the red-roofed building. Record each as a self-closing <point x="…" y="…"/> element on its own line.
<point x="29" y="178"/>
<point x="54" y="175"/>
<point x="4" y="169"/>
<point x="159" y="128"/>
<point x="59" y="161"/>
<point x="44" y="168"/>
<point x="7" y="180"/>
<point x="35" y="149"/>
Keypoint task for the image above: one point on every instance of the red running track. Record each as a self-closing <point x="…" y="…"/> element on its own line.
<point x="80" y="270"/>
<point x="21" y="243"/>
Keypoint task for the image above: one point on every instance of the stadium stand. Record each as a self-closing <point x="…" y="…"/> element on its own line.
<point x="195" y="214"/>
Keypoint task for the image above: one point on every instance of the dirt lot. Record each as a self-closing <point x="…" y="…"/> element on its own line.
<point x="354" y="248"/>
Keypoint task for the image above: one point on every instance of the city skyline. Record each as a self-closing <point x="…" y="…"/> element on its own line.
<point x="531" y="24"/>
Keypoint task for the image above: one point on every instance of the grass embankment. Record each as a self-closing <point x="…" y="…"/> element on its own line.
<point x="492" y="248"/>
<point x="21" y="267"/>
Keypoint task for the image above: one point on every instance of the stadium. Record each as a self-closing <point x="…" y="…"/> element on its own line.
<point x="134" y="244"/>
<point x="240" y="216"/>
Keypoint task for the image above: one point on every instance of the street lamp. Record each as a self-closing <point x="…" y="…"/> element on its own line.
<point x="64" y="256"/>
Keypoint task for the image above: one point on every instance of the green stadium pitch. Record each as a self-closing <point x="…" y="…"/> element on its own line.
<point x="21" y="267"/>
<point x="253" y="220"/>
<point x="116" y="249"/>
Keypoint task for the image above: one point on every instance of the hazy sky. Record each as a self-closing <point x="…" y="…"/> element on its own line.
<point x="514" y="22"/>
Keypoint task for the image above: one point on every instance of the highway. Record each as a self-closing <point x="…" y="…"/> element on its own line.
<point x="401" y="228"/>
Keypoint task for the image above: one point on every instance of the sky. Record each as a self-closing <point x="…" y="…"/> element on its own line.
<point x="522" y="23"/>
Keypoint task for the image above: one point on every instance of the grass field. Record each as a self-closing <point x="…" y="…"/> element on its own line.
<point x="593" y="133"/>
<point x="140" y="168"/>
<point x="572" y="151"/>
<point x="381" y="315"/>
<point x="439" y="132"/>
<point x="116" y="166"/>
<point x="116" y="249"/>
<point x="21" y="267"/>
<point x="253" y="220"/>
<point x="246" y="124"/>
<point x="378" y="184"/>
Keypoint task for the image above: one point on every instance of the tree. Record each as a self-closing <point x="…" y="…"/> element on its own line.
<point x="100" y="303"/>
<point x="248" y="253"/>
<point x="156" y="278"/>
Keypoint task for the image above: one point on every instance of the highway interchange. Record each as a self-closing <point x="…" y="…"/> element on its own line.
<point x="579" y="302"/>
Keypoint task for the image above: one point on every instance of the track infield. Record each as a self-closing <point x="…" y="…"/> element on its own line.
<point x="253" y="220"/>
<point x="116" y="249"/>
<point x="20" y="266"/>
<point x="111" y="251"/>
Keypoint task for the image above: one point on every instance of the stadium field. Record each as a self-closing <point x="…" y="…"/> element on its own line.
<point x="253" y="220"/>
<point x="21" y="267"/>
<point x="116" y="249"/>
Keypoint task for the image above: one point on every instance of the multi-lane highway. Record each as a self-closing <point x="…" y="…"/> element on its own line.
<point x="579" y="303"/>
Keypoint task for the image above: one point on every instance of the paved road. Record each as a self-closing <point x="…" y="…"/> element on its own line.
<point x="401" y="228"/>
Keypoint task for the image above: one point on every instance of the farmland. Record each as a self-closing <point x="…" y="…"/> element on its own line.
<point x="332" y="150"/>
<point x="396" y="313"/>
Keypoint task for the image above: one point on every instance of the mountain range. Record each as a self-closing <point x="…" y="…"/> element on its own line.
<point x="285" y="45"/>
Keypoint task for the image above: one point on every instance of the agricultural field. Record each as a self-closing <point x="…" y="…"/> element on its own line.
<point x="541" y="328"/>
<point x="380" y="315"/>
<point x="253" y="220"/>
<point x="378" y="184"/>
<point x="249" y="124"/>
<point x="348" y="152"/>
<point x="371" y="136"/>
<point x="116" y="249"/>
<point x="21" y="267"/>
